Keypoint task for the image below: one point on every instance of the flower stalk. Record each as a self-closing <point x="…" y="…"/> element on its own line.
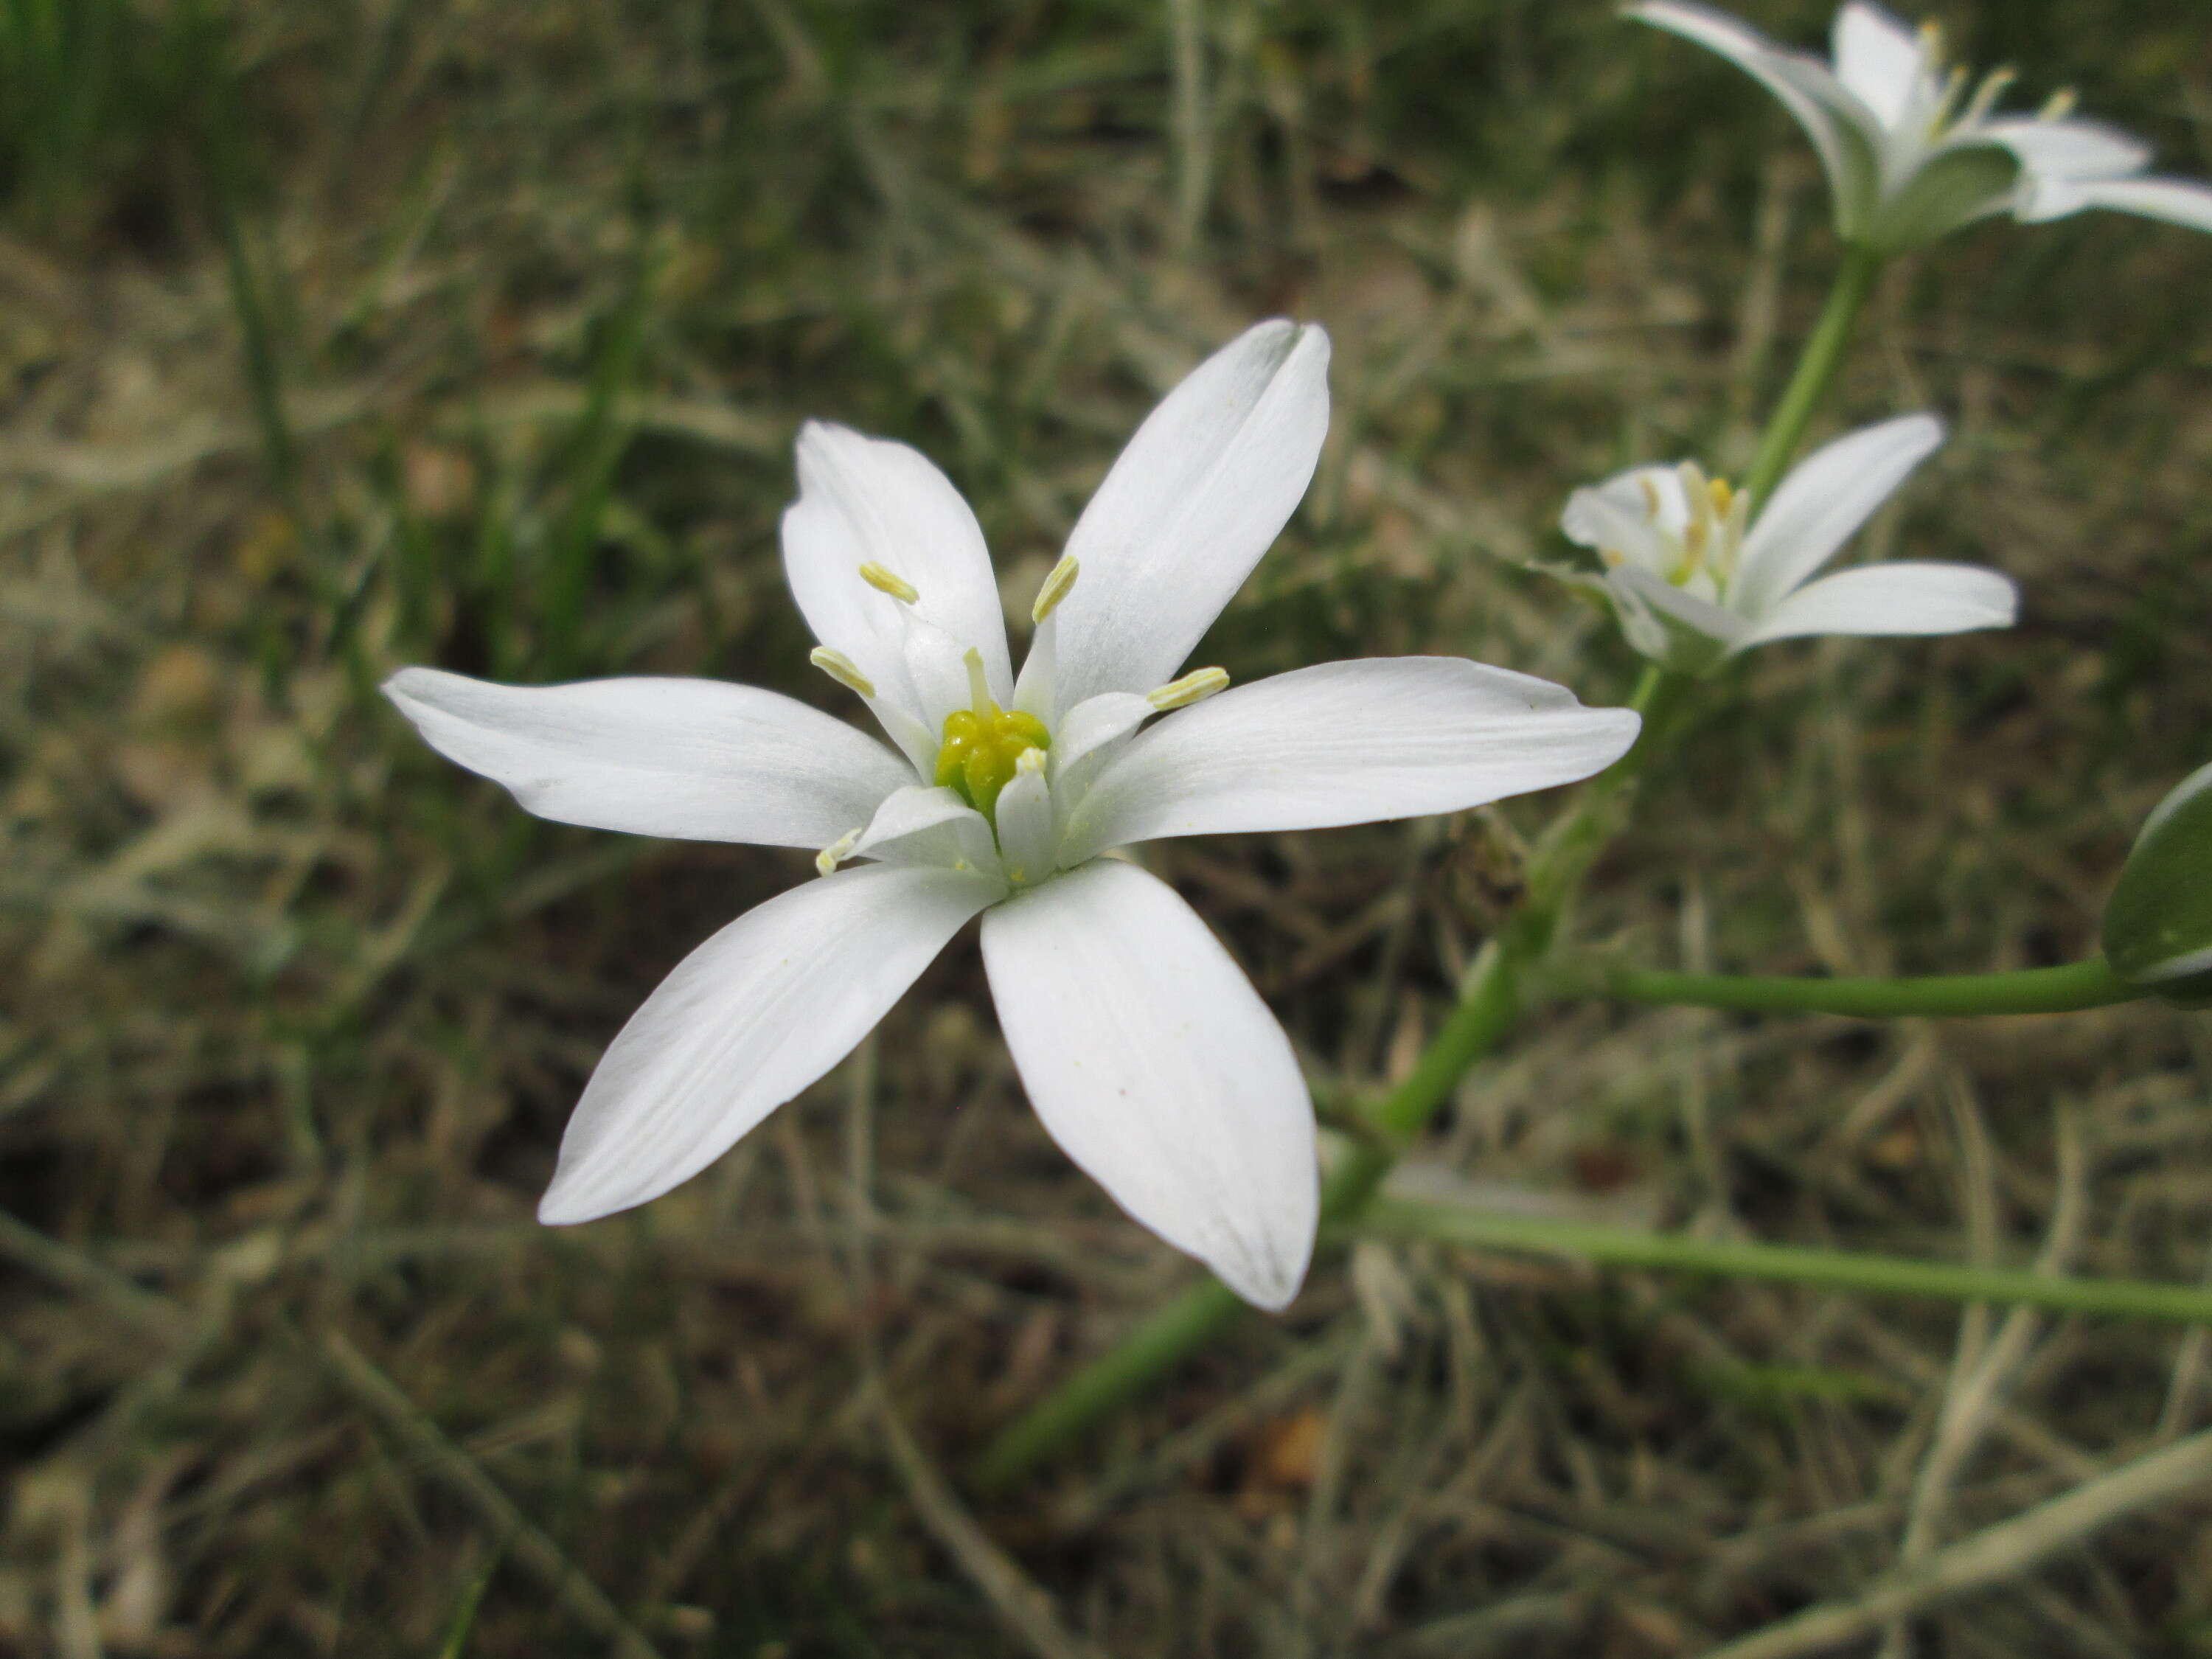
<point x="2065" y="989"/>
<point x="1816" y="370"/>
<point x="1876" y="1275"/>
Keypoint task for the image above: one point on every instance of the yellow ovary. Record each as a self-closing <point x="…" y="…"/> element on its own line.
<point x="981" y="750"/>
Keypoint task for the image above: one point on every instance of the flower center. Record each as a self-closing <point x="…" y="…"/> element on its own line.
<point x="983" y="744"/>
<point x="1702" y="553"/>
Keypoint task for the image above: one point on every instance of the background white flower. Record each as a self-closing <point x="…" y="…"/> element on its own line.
<point x="1698" y="571"/>
<point x="1913" y="150"/>
<point x="1145" y="1051"/>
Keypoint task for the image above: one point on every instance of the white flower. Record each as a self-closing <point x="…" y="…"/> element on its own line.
<point x="1911" y="153"/>
<point x="1145" y="1051"/>
<point x="1698" y="572"/>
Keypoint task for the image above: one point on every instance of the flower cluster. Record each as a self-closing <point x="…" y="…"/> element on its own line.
<point x="1146" y="1052"/>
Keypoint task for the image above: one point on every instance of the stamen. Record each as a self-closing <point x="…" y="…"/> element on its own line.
<point x="1651" y="502"/>
<point x="1931" y="43"/>
<point x="979" y="686"/>
<point x="1723" y="494"/>
<point x="827" y="860"/>
<point x="889" y="582"/>
<point x="1954" y="88"/>
<point x="1699" y="532"/>
<point x="1986" y="94"/>
<point x="2060" y="104"/>
<point x="1028" y="762"/>
<point x="1055" y="588"/>
<point x="842" y="669"/>
<point x="1192" y="687"/>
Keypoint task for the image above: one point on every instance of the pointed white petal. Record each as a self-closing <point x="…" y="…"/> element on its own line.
<point x="2177" y="201"/>
<point x="1880" y="60"/>
<point x="869" y="500"/>
<point x="2074" y="151"/>
<point x="747" y="1020"/>
<point x="926" y="825"/>
<point x="1156" y="1066"/>
<point x="697" y="760"/>
<point x="1825" y="499"/>
<point x="1346" y="743"/>
<point x="1905" y="598"/>
<point x="1848" y="135"/>
<point x="1203" y="488"/>
<point x="1025" y="834"/>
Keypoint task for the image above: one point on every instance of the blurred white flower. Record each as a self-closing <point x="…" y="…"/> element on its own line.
<point x="1145" y="1051"/>
<point x="1698" y="572"/>
<point x="1914" y="150"/>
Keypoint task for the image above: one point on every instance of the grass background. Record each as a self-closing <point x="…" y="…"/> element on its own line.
<point x="344" y="335"/>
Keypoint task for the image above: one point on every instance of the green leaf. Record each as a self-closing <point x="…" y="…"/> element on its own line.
<point x="2158" y="924"/>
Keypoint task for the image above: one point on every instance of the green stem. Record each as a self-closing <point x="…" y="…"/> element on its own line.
<point x="1816" y="369"/>
<point x="2077" y="985"/>
<point x="1166" y="1335"/>
<point x="1878" y="1275"/>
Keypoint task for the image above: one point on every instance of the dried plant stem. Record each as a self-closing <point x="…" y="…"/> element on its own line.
<point x="1988" y="1557"/>
<point x="531" y="1548"/>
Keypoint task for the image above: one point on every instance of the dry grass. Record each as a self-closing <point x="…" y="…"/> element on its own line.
<point x="296" y="1012"/>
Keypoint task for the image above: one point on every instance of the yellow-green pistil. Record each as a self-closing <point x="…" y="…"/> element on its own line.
<point x="983" y="743"/>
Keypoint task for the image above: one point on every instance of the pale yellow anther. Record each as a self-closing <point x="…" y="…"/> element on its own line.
<point x="1055" y="588"/>
<point x="889" y="582"/>
<point x="1028" y="764"/>
<point x="2060" y="104"/>
<point x="979" y="685"/>
<point x="1651" y="505"/>
<point x="827" y="860"/>
<point x="842" y="669"/>
<point x="1181" y="694"/>
<point x="1993" y="87"/>
<point x="1931" y="43"/>
<point x="1723" y="495"/>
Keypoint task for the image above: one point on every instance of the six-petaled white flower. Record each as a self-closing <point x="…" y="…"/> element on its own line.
<point x="1696" y="571"/>
<point x="1145" y="1051"/>
<point x="1913" y="151"/>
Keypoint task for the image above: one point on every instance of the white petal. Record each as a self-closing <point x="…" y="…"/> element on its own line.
<point x="1025" y="835"/>
<point x="747" y="1020"/>
<point x="2070" y="151"/>
<point x="1673" y="611"/>
<point x="1346" y="743"/>
<point x="2177" y="201"/>
<point x="694" y="759"/>
<point x="924" y="825"/>
<point x="1846" y="133"/>
<point x="1880" y="60"/>
<point x="1156" y="1066"/>
<point x="1904" y="598"/>
<point x="865" y="500"/>
<point x="1203" y="488"/>
<point x="1087" y="738"/>
<point x="1825" y="499"/>
<point x="1616" y="515"/>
